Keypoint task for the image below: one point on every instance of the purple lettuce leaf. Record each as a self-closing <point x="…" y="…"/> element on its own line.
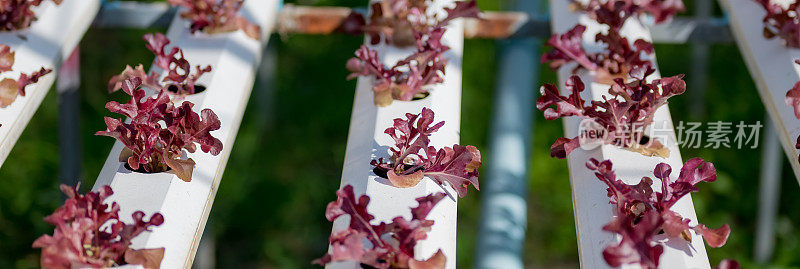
<point x="18" y="14"/>
<point x="641" y="213"/>
<point x="11" y="88"/>
<point x="624" y="114"/>
<point x="567" y="48"/>
<point x="390" y="244"/>
<point x="728" y="264"/>
<point x="412" y="158"/>
<point x="405" y="23"/>
<point x="159" y="131"/>
<point x="216" y="16"/>
<point x="782" y="22"/>
<point x="616" y="61"/>
<point x="179" y="80"/>
<point x="89" y="233"/>
<point x="614" y="13"/>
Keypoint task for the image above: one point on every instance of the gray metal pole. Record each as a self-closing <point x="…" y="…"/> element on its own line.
<point x="699" y="69"/>
<point x="69" y="138"/>
<point x="206" y="256"/>
<point x="132" y="14"/>
<point x="264" y="93"/>
<point x="501" y="234"/>
<point x="769" y="193"/>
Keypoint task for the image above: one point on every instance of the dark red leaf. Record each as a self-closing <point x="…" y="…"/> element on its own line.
<point x="782" y="22"/>
<point x="617" y="59"/>
<point x="614" y="13"/>
<point x="793" y="100"/>
<point x="405" y="23"/>
<point x="89" y="233"/>
<point x="25" y="80"/>
<point x="623" y="115"/>
<point x="463" y="9"/>
<point x="10" y="88"/>
<point x="693" y="172"/>
<point x="636" y="245"/>
<point x="391" y="244"/>
<point x="568" y="48"/>
<point x="563" y="147"/>
<point x="412" y="157"/>
<point x="640" y="213"/>
<point x="728" y="264"/>
<point x="158" y="131"/>
<point x="458" y="166"/>
<point x="216" y="16"/>
<point x="573" y="105"/>
<point x="18" y="14"/>
<point x="179" y="71"/>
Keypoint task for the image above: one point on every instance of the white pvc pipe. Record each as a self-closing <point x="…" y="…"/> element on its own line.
<point x="367" y="141"/>
<point x="589" y="195"/>
<point x="186" y="205"/>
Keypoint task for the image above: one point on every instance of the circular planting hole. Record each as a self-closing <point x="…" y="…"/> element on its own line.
<point x="645" y="139"/>
<point x="420" y="96"/>
<point x="197" y="88"/>
<point x="142" y="171"/>
<point x="379" y="172"/>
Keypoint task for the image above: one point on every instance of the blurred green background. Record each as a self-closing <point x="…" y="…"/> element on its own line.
<point x="287" y="159"/>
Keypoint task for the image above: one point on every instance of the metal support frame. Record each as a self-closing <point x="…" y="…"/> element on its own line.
<point x="263" y="94"/>
<point x="129" y="14"/>
<point x="206" y="251"/>
<point x="69" y="136"/>
<point x="769" y="194"/>
<point x="699" y="68"/>
<point x="493" y="25"/>
<point x="501" y="234"/>
<point x="266" y="82"/>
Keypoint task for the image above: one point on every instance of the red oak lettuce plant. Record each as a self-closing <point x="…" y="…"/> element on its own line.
<point x="409" y="78"/>
<point x="17" y="14"/>
<point x="405" y="23"/>
<point x="614" y="13"/>
<point x="412" y="158"/>
<point x="625" y="115"/>
<point x="9" y="87"/>
<point x="615" y="61"/>
<point x="179" y="79"/>
<point x="90" y="234"/>
<point x="159" y="131"/>
<point x="782" y="22"/>
<point x="641" y="214"/>
<point x="217" y="16"/>
<point x="391" y="245"/>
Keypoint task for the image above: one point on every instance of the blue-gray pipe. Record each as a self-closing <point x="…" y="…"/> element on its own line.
<point x="501" y="234"/>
